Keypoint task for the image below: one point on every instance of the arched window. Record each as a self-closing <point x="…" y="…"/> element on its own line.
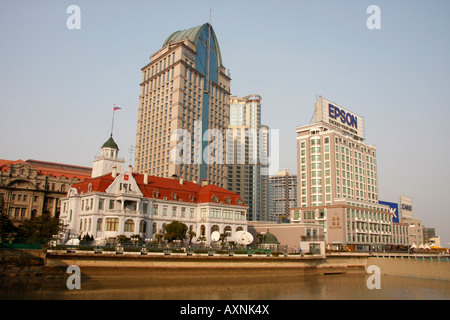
<point x="142" y="226"/>
<point x="129" y="225"/>
<point x="155" y="193"/>
<point x="215" y="198"/>
<point x="202" y="230"/>
<point x="239" y="201"/>
<point x="174" y="196"/>
<point x="227" y="200"/>
<point x="99" y="224"/>
<point x="215" y="228"/>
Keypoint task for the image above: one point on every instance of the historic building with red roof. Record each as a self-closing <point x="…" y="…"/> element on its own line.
<point x="33" y="187"/>
<point x="129" y="203"/>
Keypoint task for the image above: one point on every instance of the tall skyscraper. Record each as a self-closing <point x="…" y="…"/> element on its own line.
<point x="184" y="101"/>
<point x="247" y="161"/>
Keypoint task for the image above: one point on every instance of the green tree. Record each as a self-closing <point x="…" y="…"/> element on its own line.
<point x="40" y="229"/>
<point x="191" y="234"/>
<point x="175" y="231"/>
<point x="7" y="228"/>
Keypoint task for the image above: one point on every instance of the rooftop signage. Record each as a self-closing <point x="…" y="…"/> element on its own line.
<point x="349" y="122"/>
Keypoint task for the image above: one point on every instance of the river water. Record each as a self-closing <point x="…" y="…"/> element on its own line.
<point x="229" y="285"/>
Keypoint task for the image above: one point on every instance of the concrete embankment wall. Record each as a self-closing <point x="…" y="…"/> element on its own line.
<point x="437" y="268"/>
<point x="54" y="264"/>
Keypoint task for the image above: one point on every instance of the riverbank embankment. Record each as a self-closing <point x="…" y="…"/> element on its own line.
<point x="54" y="264"/>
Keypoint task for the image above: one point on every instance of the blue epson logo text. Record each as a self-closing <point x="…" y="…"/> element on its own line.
<point x="345" y="117"/>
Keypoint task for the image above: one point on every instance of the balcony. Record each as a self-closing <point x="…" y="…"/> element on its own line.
<point x="312" y="238"/>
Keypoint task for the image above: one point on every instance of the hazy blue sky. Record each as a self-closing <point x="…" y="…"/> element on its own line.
<point x="58" y="86"/>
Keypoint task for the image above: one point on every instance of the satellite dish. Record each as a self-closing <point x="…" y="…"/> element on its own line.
<point x="243" y="237"/>
<point x="73" y="242"/>
<point x="215" y="236"/>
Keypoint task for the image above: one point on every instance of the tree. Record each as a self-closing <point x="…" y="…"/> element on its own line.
<point x="40" y="229"/>
<point x="191" y="234"/>
<point x="7" y="228"/>
<point x="175" y="231"/>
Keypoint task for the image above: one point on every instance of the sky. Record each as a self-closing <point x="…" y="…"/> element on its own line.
<point x="58" y="85"/>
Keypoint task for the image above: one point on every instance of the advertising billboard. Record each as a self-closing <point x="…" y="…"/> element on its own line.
<point x="340" y="117"/>
<point x="393" y="208"/>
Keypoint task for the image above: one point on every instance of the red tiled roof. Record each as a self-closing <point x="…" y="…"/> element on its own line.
<point x="51" y="168"/>
<point x="166" y="188"/>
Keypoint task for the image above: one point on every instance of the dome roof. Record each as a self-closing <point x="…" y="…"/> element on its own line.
<point x="269" y="238"/>
<point x="193" y="35"/>
<point x="110" y="144"/>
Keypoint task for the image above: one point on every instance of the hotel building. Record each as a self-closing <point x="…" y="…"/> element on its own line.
<point x="129" y="203"/>
<point x="248" y="154"/>
<point x="184" y="86"/>
<point x="337" y="180"/>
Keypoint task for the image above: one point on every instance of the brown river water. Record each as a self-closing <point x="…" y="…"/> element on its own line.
<point x="224" y="285"/>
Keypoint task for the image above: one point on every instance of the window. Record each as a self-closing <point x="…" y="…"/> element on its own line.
<point x="142" y="226"/>
<point x="129" y="225"/>
<point x="112" y="224"/>
<point x="99" y="224"/>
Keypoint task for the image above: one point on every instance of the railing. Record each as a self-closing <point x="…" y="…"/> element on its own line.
<point x="312" y="238"/>
<point x="169" y="249"/>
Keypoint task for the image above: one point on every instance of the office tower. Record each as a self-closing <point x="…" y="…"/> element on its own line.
<point x="337" y="182"/>
<point x="247" y="155"/>
<point x="184" y="97"/>
<point x="333" y="161"/>
<point x="282" y="195"/>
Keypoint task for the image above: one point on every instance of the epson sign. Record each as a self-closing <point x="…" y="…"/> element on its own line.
<point x="345" y="117"/>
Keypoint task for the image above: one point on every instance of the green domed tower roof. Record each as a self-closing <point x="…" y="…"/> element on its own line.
<point x="269" y="238"/>
<point x="110" y="144"/>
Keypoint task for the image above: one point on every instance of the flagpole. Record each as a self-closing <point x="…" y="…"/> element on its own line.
<point x="112" y="124"/>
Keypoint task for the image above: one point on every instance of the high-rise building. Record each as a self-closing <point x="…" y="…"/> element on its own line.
<point x="333" y="159"/>
<point x="248" y="154"/>
<point x="338" y="185"/>
<point x="183" y="109"/>
<point x="282" y="195"/>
